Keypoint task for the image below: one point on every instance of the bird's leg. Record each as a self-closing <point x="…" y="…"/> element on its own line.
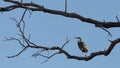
<point x="84" y="54"/>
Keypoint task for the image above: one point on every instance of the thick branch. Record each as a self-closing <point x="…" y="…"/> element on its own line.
<point x="69" y="56"/>
<point x="86" y="58"/>
<point x="35" y="7"/>
<point x="112" y="45"/>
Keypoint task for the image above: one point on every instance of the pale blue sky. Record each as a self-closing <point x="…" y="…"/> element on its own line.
<point x="50" y="30"/>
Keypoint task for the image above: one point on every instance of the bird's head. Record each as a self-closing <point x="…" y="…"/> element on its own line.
<point x="78" y="38"/>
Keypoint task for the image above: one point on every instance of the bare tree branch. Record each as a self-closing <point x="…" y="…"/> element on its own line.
<point x="67" y="41"/>
<point x="65" y="6"/>
<point x="61" y="51"/>
<point x="18" y="53"/>
<point x="50" y="57"/>
<point x="109" y="34"/>
<point x="117" y="18"/>
<point x="35" y="7"/>
<point x="38" y="53"/>
<point x="18" y="40"/>
<point x="69" y="56"/>
<point x="27" y="43"/>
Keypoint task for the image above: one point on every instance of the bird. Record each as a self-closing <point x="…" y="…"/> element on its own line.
<point x="81" y="45"/>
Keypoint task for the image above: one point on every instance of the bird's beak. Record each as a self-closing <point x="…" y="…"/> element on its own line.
<point x="77" y="38"/>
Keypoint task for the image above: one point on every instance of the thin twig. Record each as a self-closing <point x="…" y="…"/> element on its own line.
<point x="23" y="17"/>
<point x="117" y="18"/>
<point x="11" y="38"/>
<point x="37" y="53"/>
<point x="109" y="34"/>
<point x="67" y="41"/>
<point x="100" y="26"/>
<point x="49" y="57"/>
<point x="30" y="13"/>
<point x="18" y="53"/>
<point x="65" y="6"/>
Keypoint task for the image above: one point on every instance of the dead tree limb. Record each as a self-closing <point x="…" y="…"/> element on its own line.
<point x="60" y="50"/>
<point x="27" y="43"/>
<point x="36" y="7"/>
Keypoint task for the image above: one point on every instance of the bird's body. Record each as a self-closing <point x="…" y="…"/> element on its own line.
<point x="81" y="45"/>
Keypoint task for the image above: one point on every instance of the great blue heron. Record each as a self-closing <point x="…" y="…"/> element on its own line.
<point x="81" y="45"/>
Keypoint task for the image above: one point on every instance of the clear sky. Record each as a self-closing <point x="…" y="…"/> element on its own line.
<point x="50" y="30"/>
